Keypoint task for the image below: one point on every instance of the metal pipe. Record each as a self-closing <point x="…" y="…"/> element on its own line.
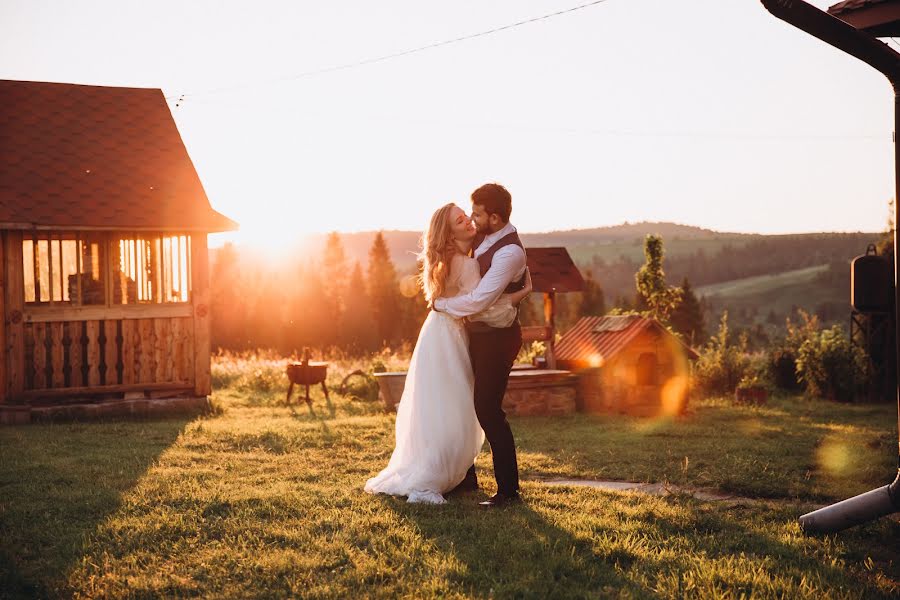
<point x="853" y="511"/>
<point x="885" y="500"/>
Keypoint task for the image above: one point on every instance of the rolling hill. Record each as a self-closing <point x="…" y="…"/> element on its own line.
<point x="758" y="278"/>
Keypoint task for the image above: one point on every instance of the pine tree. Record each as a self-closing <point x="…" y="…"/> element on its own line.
<point x="309" y="312"/>
<point x="593" y="302"/>
<point x="227" y="303"/>
<point x="334" y="280"/>
<point x="653" y="291"/>
<point x="359" y="333"/>
<point x="384" y="291"/>
<point x="687" y="317"/>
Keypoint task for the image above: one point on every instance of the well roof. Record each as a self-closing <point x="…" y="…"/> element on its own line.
<point x="880" y="18"/>
<point x="90" y="157"/>
<point x="552" y="270"/>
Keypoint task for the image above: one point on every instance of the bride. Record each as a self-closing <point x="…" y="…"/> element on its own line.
<point x="437" y="432"/>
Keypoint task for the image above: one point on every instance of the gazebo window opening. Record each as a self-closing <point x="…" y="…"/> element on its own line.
<point x="63" y="268"/>
<point x="151" y="268"/>
<point x="72" y="269"/>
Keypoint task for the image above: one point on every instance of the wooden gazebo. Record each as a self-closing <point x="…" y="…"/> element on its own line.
<point x="552" y="272"/>
<point x="103" y="226"/>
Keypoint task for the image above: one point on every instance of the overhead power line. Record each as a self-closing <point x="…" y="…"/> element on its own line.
<point x="369" y="61"/>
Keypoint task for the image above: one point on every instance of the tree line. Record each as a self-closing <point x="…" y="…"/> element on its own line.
<point x="320" y="302"/>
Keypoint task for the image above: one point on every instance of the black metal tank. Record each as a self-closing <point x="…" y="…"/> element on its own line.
<point x="871" y="282"/>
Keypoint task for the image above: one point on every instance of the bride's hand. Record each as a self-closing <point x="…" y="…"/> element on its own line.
<point x="528" y="285"/>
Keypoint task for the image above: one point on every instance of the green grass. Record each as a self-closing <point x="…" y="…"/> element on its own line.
<point x="263" y="500"/>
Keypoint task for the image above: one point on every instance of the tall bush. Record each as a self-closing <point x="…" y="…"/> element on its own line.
<point x="830" y="367"/>
<point x="783" y="354"/>
<point x="722" y="363"/>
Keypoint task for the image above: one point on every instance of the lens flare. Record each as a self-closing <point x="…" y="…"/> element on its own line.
<point x="835" y="456"/>
<point x="409" y="286"/>
<point x="673" y="396"/>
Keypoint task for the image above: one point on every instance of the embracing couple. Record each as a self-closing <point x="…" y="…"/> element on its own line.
<point x="474" y="276"/>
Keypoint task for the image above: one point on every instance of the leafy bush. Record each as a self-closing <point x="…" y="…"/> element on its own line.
<point x="783" y="356"/>
<point x="756" y="373"/>
<point x="783" y="368"/>
<point x="829" y="366"/>
<point x="531" y="351"/>
<point x="722" y="364"/>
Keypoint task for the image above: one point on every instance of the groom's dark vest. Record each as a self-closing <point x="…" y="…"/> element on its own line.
<point x="487" y="258"/>
<point x="484" y="264"/>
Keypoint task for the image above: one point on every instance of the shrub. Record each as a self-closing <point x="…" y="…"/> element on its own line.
<point x="722" y="364"/>
<point x="531" y="351"/>
<point x="829" y="366"/>
<point x="783" y="368"/>
<point x="783" y="356"/>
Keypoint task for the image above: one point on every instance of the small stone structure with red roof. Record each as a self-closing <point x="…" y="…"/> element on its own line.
<point x="627" y="364"/>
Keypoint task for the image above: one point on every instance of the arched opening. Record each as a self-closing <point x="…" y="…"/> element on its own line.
<point x="647" y="369"/>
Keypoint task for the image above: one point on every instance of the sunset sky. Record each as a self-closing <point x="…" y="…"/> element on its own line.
<point x="710" y="113"/>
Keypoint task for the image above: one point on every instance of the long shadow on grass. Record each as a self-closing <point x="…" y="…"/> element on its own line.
<point x="633" y="546"/>
<point x="57" y="484"/>
<point x="513" y="552"/>
<point x="719" y="533"/>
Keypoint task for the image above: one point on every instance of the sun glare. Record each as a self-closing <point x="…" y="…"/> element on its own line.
<point x="276" y="245"/>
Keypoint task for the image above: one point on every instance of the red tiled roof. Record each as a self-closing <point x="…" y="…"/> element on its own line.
<point x="604" y="337"/>
<point x="78" y="156"/>
<point x="552" y="270"/>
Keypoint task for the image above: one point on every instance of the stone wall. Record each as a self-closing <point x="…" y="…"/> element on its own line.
<point x="530" y="392"/>
<point x="548" y="400"/>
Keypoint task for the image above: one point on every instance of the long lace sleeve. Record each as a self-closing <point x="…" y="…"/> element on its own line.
<point x="469" y="274"/>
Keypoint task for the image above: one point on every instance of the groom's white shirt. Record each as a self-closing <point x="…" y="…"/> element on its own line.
<point x="508" y="265"/>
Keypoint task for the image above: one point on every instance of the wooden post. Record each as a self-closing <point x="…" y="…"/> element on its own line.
<point x="15" y="306"/>
<point x="200" y="301"/>
<point x="3" y="278"/>
<point x="550" y="321"/>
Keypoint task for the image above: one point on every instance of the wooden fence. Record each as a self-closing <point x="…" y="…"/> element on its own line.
<point x="70" y="355"/>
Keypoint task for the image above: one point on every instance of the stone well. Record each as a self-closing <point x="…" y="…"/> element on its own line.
<point x="530" y="391"/>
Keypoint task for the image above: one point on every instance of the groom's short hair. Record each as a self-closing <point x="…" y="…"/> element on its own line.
<point x="495" y="199"/>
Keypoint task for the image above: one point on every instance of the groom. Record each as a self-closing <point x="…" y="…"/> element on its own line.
<point x="501" y="257"/>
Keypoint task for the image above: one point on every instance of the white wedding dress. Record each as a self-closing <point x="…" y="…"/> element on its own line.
<point x="437" y="432"/>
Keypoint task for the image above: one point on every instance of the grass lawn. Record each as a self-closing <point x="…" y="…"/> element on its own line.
<point x="263" y="500"/>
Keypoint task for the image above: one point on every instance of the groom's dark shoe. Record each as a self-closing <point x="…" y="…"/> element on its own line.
<point x="498" y="500"/>
<point x="469" y="484"/>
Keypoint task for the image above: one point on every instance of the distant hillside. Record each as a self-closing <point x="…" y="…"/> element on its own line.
<point x="625" y="232"/>
<point x="757" y="278"/>
<point x="582" y="243"/>
<point x="823" y="290"/>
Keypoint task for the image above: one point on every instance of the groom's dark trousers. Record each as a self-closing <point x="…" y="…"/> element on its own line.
<point x="493" y="352"/>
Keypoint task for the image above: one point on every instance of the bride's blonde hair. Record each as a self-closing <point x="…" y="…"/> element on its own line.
<point x="436" y="254"/>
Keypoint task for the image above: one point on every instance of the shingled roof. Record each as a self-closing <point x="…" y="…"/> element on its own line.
<point x="552" y="270"/>
<point x="849" y="5"/>
<point x="880" y="18"/>
<point x="89" y="157"/>
<point x="605" y="337"/>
